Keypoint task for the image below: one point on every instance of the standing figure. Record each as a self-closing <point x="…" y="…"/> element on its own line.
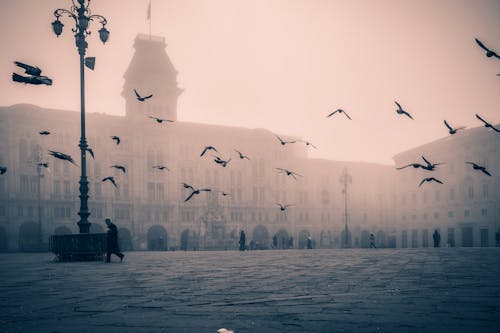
<point x="372" y="241"/>
<point x="243" y="240"/>
<point x="112" y="241"/>
<point x="436" y="237"/>
<point x="309" y="242"/>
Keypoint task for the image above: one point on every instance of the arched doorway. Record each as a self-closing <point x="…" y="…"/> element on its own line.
<point x="96" y="229"/>
<point x="62" y="230"/>
<point x="29" y="237"/>
<point x="381" y="239"/>
<point x="189" y="241"/>
<point x="404" y="239"/>
<point x="157" y="238"/>
<point x="365" y="239"/>
<point x="4" y="240"/>
<point x="125" y="239"/>
<point x="303" y="236"/>
<point x="325" y="239"/>
<point x="260" y="238"/>
<point x="281" y="240"/>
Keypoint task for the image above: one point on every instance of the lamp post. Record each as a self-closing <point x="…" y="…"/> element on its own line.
<point x="82" y="16"/>
<point x="345" y="179"/>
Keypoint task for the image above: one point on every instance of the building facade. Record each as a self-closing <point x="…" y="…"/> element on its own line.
<point x="149" y="204"/>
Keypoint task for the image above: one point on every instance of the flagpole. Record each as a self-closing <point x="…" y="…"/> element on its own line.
<point x="149" y="16"/>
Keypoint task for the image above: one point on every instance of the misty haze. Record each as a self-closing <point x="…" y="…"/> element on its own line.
<point x="249" y="166"/>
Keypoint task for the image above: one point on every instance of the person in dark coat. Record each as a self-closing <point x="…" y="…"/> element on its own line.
<point x="372" y="241"/>
<point x="436" y="237"/>
<point x="112" y="241"/>
<point x="243" y="241"/>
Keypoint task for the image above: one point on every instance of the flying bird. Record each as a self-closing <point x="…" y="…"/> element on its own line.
<point x="116" y="138"/>
<point x="185" y="185"/>
<point x="36" y="80"/>
<point x="452" y="130"/>
<point x="415" y="165"/>
<point x="489" y="53"/>
<point x="119" y="167"/>
<point x="430" y="179"/>
<point x="208" y="148"/>
<point x="283" y="207"/>
<point x="487" y="124"/>
<point x="33" y="77"/>
<point x="195" y="191"/>
<point x="44" y="132"/>
<point x="111" y="179"/>
<point x="62" y="156"/>
<point x="429" y="166"/>
<point x="283" y="142"/>
<point x="3" y="169"/>
<point x="241" y="155"/>
<point x="140" y="98"/>
<point x="476" y="166"/>
<point x="220" y="161"/>
<point x="28" y="69"/>
<point x="308" y="144"/>
<point x="43" y="164"/>
<point x="339" y="111"/>
<point x="161" y="167"/>
<point x="288" y="173"/>
<point x="400" y="110"/>
<point x="91" y="152"/>
<point x="160" y="120"/>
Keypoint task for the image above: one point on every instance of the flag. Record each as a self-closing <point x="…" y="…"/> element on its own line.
<point x="149" y="10"/>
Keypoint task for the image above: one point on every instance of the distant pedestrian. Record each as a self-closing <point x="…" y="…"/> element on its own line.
<point x="275" y="242"/>
<point x="436" y="237"/>
<point x="112" y="241"/>
<point x="243" y="241"/>
<point x="372" y="241"/>
<point x="309" y="242"/>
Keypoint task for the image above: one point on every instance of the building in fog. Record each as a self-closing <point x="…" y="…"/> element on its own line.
<point x="149" y="205"/>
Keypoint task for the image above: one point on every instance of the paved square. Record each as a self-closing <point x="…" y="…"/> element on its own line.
<point x="349" y="290"/>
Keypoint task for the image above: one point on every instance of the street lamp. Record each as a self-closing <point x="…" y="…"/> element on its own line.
<point x="82" y="16"/>
<point x="345" y="179"/>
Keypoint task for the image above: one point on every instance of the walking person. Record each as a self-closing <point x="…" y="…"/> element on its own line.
<point x="112" y="241"/>
<point x="243" y="240"/>
<point x="372" y="241"/>
<point x="436" y="237"/>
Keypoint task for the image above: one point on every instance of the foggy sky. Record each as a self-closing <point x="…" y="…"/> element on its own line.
<point x="282" y="65"/>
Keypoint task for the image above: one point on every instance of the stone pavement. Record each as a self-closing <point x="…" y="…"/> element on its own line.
<point x="348" y="290"/>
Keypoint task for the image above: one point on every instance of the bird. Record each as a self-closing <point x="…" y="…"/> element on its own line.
<point x="119" y="167"/>
<point x="36" y="80"/>
<point x="195" y="191"/>
<point x="452" y="130"/>
<point x="283" y="142"/>
<point x="185" y="185"/>
<point x="220" y="161"/>
<point x="430" y="166"/>
<point x="487" y="124"/>
<point x="91" y="152"/>
<point x="430" y="179"/>
<point x="3" y="169"/>
<point x="339" y="111"/>
<point x="43" y="164"/>
<point x="44" y="132"/>
<point x="224" y="193"/>
<point x="476" y="166"/>
<point x="62" y="156"/>
<point x="308" y="144"/>
<point x="241" y="155"/>
<point x="28" y="69"/>
<point x="111" y="179"/>
<point x="400" y="110"/>
<point x="283" y="207"/>
<point x="140" y="98"/>
<point x="489" y="53"/>
<point x="160" y="167"/>
<point x="116" y="138"/>
<point x="208" y="148"/>
<point x="160" y="120"/>
<point x="288" y="173"/>
<point x="415" y="165"/>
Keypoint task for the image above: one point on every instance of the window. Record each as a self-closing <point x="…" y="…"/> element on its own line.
<point x="67" y="188"/>
<point x="24" y="184"/>
<point x="57" y="187"/>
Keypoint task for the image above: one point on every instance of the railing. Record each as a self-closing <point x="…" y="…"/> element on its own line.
<point x="78" y="247"/>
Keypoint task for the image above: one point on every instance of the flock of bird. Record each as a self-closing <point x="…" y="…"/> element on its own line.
<point x="34" y="77"/>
